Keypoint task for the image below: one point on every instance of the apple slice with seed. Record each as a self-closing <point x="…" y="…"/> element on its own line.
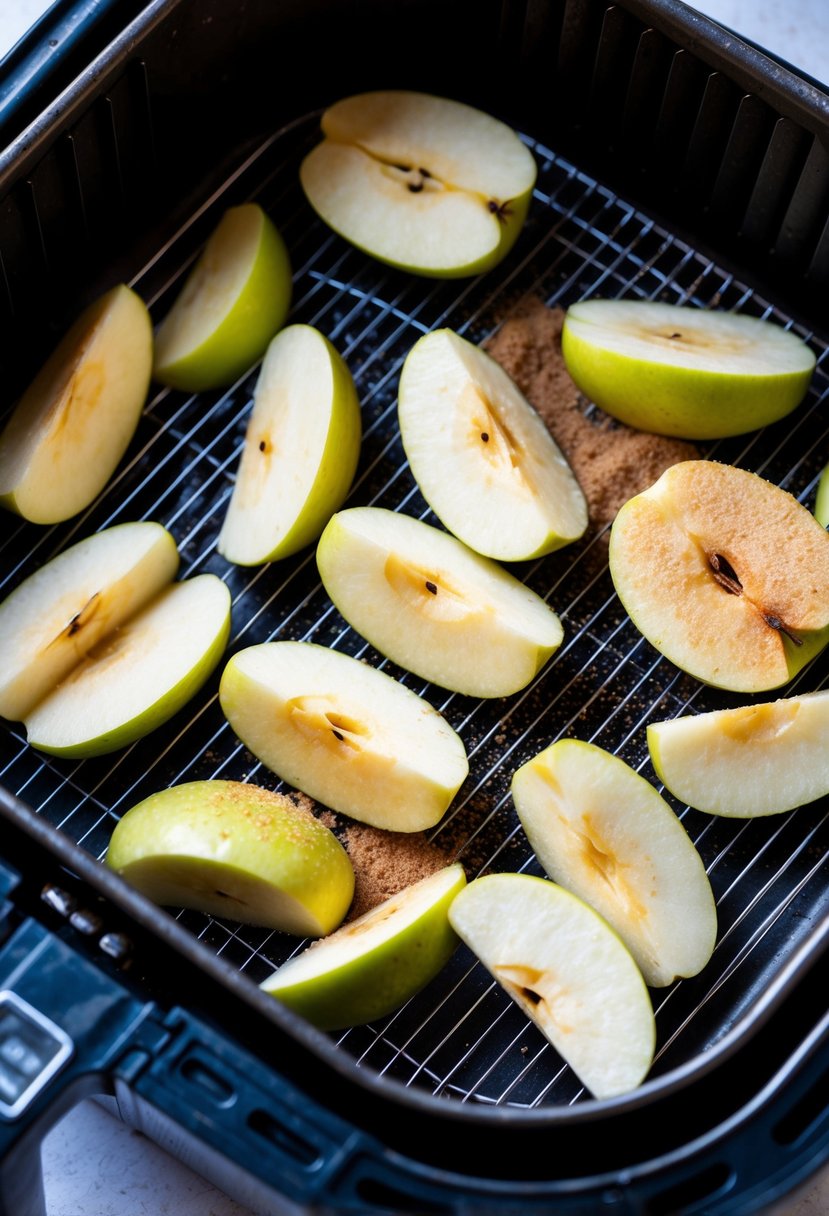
<point x="421" y="182"/>
<point x="373" y="965"/>
<point x="138" y="675"/>
<point x="231" y="849"/>
<point x="482" y="457"/>
<point x="75" y="421"/>
<point x="63" y="610"/>
<point x="724" y="573"/>
<point x="344" y="733"/>
<point x="301" y="450"/>
<point x="603" y="832"/>
<point x="431" y="604"/>
<point x="753" y="760"/>
<point x="676" y="370"/>
<point x="567" y="970"/>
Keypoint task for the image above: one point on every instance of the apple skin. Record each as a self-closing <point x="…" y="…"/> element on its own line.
<point x="235" y="850"/>
<point x="367" y="135"/>
<point x="429" y="603"/>
<point x="481" y="455"/>
<point x="265" y="531"/>
<point x="602" y="831"/>
<point x="660" y="547"/>
<point x="568" y="971"/>
<point x="754" y="760"/>
<point x="373" y="965"/>
<point x="66" y="607"/>
<point x="701" y="398"/>
<point x="822" y="499"/>
<point x="76" y="419"/>
<point x="257" y="304"/>
<point x="344" y="733"/>
<point x="58" y="723"/>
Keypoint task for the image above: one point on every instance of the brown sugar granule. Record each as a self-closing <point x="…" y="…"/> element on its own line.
<point x="386" y="862"/>
<point x="611" y="461"/>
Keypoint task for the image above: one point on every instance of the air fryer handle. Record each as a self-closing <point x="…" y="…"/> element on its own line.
<point x="68" y="1027"/>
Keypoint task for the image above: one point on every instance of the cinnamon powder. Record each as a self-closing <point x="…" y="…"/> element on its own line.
<point x="612" y="462"/>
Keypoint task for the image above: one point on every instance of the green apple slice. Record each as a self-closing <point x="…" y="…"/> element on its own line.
<point x="684" y="371"/>
<point x="63" y="610"/>
<point x="344" y="733"/>
<point x="567" y="970"/>
<point x="822" y="499"/>
<point x="431" y="604"/>
<point x="754" y="760"/>
<point x="230" y="849"/>
<point x="604" y="833"/>
<point x="137" y="676"/>
<point x="373" y="965"/>
<point x="301" y="450"/>
<point x="421" y="182"/>
<point x="724" y="573"/>
<point x="482" y="457"/>
<point x="73" y="424"/>
<point x="234" y="300"/>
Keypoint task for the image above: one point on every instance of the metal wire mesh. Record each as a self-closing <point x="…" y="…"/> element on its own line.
<point x="462" y="1037"/>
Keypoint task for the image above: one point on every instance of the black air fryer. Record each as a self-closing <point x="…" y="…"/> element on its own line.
<point x="676" y="163"/>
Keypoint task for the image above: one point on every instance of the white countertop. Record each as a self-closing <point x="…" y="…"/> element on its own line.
<point x="93" y="1164"/>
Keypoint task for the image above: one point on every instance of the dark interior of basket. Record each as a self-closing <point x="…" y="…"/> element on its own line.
<point x="462" y="1037"/>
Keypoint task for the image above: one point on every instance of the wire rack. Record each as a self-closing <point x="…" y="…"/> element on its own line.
<point x="462" y="1037"/>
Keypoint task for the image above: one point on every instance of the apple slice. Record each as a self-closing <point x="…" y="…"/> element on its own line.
<point x="235" y="850"/>
<point x="724" y="573"/>
<point x="137" y="676"/>
<point x="567" y="970"/>
<point x="604" y="833"/>
<point x="684" y="371"/>
<point x="373" y="965"/>
<point x="344" y="733"/>
<point x="63" y="610"/>
<point x="754" y="760"/>
<point x="301" y="450"/>
<point x="73" y="424"/>
<point x="234" y="300"/>
<point x="421" y="182"/>
<point x="822" y="499"/>
<point x="482" y="457"/>
<point x="427" y="602"/>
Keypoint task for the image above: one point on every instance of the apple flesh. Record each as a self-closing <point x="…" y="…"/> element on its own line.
<point x="421" y="182"/>
<point x="233" y="302"/>
<point x="724" y="573"/>
<point x="684" y="371"/>
<point x="567" y="970"/>
<point x="482" y="457"/>
<point x="73" y="424"/>
<point x="372" y="966"/>
<point x="62" y="611"/>
<point x="138" y="675"/>
<point x="235" y="850"/>
<point x="301" y="450"/>
<point x="344" y="733"/>
<point x="604" y="833"/>
<point x="429" y="603"/>
<point x="755" y="760"/>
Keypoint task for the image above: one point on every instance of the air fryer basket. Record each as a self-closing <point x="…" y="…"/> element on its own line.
<point x="659" y="178"/>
